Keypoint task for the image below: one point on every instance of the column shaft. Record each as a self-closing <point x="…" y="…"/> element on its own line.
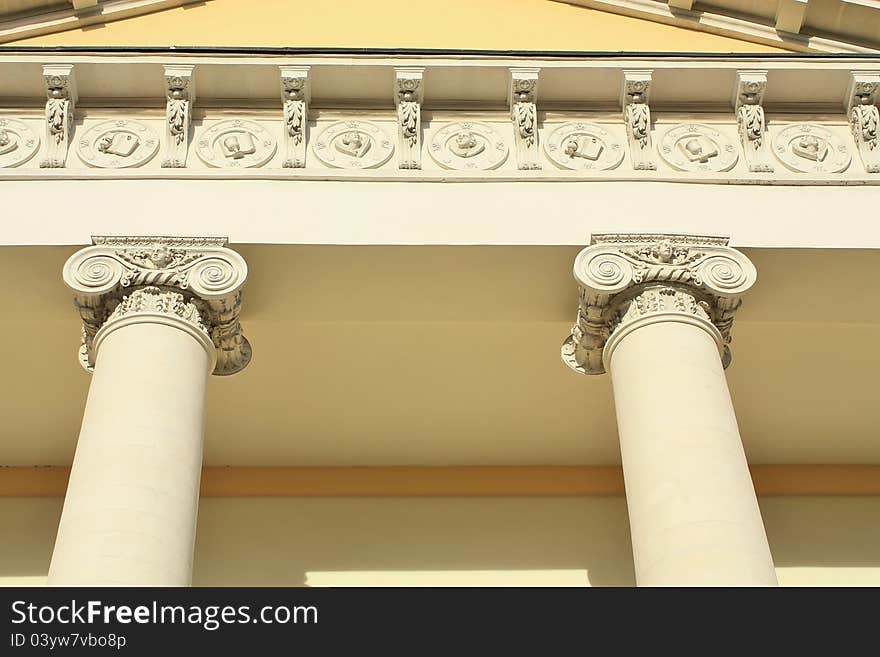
<point x="693" y="513"/>
<point x="129" y="516"/>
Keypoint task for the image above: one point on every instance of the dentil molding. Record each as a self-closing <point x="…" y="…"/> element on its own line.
<point x="194" y="280"/>
<point x="628" y="280"/>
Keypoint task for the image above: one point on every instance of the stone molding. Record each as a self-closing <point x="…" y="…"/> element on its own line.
<point x="628" y="280"/>
<point x="195" y="280"/>
<point x="637" y="116"/>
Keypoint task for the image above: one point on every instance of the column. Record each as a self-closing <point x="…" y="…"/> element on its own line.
<point x="159" y="316"/>
<point x="656" y="312"/>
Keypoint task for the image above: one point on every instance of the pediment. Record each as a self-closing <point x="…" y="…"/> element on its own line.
<point x="497" y="25"/>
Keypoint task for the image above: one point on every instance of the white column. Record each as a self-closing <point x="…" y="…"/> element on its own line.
<point x="693" y="513"/>
<point x="657" y="314"/>
<point x="130" y="511"/>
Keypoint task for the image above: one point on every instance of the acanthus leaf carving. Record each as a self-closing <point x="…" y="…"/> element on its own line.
<point x="523" y="98"/>
<point x="180" y="95"/>
<point x="750" y="119"/>
<point x="408" y="96"/>
<point x="197" y="279"/>
<point x="295" y="98"/>
<point x="862" y="99"/>
<point x="61" y="97"/>
<point x="637" y="117"/>
<point x="624" y="278"/>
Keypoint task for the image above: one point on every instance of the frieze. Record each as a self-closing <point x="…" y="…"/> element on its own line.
<point x="353" y="145"/>
<point x="584" y="146"/>
<point x="235" y="143"/>
<point x="697" y="147"/>
<point x="468" y="145"/>
<point x="118" y="144"/>
<point x="18" y="143"/>
<point x="811" y="148"/>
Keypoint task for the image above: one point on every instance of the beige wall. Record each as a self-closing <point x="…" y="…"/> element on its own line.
<point x="561" y="541"/>
<point x="485" y="24"/>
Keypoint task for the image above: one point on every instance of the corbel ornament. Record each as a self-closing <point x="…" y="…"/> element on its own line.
<point x="180" y="93"/>
<point x="522" y="98"/>
<point x="862" y="99"/>
<point x="295" y="98"/>
<point x="637" y="116"/>
<point x="748" y="102"/>
<point x="61" y="97"/>
<point x="194" y="279"/>
<point x="629" y="280"/>
<point x="408" y="96"/>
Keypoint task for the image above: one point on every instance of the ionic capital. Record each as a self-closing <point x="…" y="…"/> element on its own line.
<point x="193" y="281"/>
<point x="628" y="281"/>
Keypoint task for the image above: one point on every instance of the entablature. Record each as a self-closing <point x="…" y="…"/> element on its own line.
<point x="754" y="120"/>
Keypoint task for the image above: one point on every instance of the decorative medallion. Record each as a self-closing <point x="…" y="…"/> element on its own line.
<point x="236" y="143"/>
<point x="468" y="145"/>
<point x="353" y="145"/>
<point x="810" y="148"/>
<point x="118" y="144"/>
<point x="18" y="143"/>
<point x="697" y="147"/>
<point x="583" y="146"/>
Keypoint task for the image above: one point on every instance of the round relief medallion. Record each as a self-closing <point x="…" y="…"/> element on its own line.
<point x="809" y="148"/>
<point x="118" y="144"/>
<point x="18" y="143"/>
<point x="468" y="145"/>
<point x="697" y="147"/>
<point x="583" y="146"/>
<point x="353" y="145"/>
<point x="235" y="143"/>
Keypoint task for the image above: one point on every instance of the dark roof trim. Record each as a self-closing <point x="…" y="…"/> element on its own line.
<point x="420" y="52"/>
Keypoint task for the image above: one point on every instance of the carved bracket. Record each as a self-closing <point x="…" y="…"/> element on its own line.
<point x="862" y="98"/>
<point x="523" y="98"/>
<point x="180" y="93"/>
<point x="748" y="98"/>
<point x="196" y="278"/>
<point x="408" y="96"/>
<point x="623" y="278"/>
<point x="296" y="94"/>
<point x="637" y="116"/>
<point x="61" y="97"/>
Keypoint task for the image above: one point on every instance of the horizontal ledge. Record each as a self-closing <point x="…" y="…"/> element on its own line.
<point x="777" y="179"/>
<point x="454" y="481"/>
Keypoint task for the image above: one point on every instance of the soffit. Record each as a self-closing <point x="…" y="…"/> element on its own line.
<point x="450" y="356"/>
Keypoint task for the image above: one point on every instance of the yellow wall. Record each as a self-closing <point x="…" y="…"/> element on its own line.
<point x="453" y="24"/>
<point x="455" y="541"/>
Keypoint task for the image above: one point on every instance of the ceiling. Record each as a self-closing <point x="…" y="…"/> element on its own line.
<point x="450" y="355"/>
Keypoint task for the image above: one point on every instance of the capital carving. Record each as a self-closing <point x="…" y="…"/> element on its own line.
<point x="628" y="280"/>
<point x="196" y="280"/>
